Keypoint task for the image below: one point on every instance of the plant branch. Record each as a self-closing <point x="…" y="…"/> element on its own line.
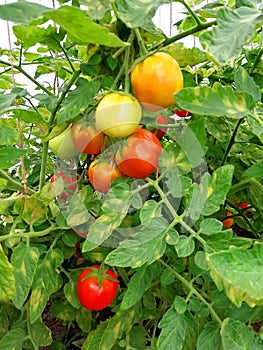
<point x="21" y="70"/>
<point x="188" y="32"/>
<point x="192" y="13"/>
<point x="231" y="141"/>
<point x="50" y="125"/>
<point x="192" y="290"/>
<point x="13" y="184"/>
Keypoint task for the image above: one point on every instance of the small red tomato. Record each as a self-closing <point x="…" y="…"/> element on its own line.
<point x="70" y="184"/>
<point x="86" y="138"/>
<point x="93" y="296"/>
<point x="182" y="113"/>
<point x="101" y="173"/>
<point x="228" y="223"/>
<point x="160" y="132"/>
<point x="138" y="156"/>
<point x="243" y="205"/>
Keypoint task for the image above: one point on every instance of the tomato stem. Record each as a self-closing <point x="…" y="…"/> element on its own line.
<point x="193" y="290"/>
<point x="231" y="141"/>
<point x="142" y="47"/>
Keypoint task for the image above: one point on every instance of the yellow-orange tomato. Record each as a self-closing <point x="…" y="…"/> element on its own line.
<point x="118" y="115"/>
<point x="156" y="79"/>
<point x="101" y="174"/>
<point x="228" y="223"/>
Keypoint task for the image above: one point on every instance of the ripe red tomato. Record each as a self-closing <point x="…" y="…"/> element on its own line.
<point x="90" y="294"/>
<point x="101" y="173"/>
<point x="138" y="156"/>
<point x="243" y="205"/>
<point x="182" y="113"/>
<point x="70" y="184"/>
<point x="228" y="223"/>
<point x="159" y="133"/>
<point x="86" y="138"/>
<point x="156" y="79"/>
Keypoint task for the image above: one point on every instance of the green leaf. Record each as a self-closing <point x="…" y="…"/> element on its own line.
<point x="179" y="329"/>
<point x="256" y="170"/>
<point x="245" y="83"/>
<point x="179" y="304"/>
<point x="78" y="100"/>
<point x="138" y="284"/>
<point x="40" y="333"/>
<point x="32" y="35"/>
<point x="97" y="9"/>
<point x="142" y="250"/>
<point x="117" y="325"/>
<point x="238" y="271"/>
<point x="185" y="246"/>
<point x="22" y="11"/>
<point x="35" y="211"/>
<point x="6" y="100"/>
<point x="93" y="340"/>
<point x="234" y="28"/>
<point x="46" y="282"/>
<point x="84" y="319"/>
<point x="216" y="101"/>
<point x="236" y="335"/>
<point x="9" y="155"/>
<point x="136" y="13"/>
<point x="210" y="337"/>
<point x="186" y="56"/>
<point x="13" y="340"/>
<point x="29" y="116"/>
<point x="7" y="280"/>
<point x="8" y="133"/>
<point x="70" y="290"/>
<point x="210" y="226"/>
<point x="218" y="187"/>
<point x="82" y="29"/>
<point x="24" y="259"/>
<point x="104" y="225"/>
<point x="149" y="210"/>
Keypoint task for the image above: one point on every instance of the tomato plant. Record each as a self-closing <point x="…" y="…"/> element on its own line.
<point x="138" y="156"/>
<point x="118" y="115"/>
<point x="152" y="210"/>
<point x="86" y="138"/>
<point x="156" y="79"/>
<point x="102" y="172"/>
<point x="95" y="291"/>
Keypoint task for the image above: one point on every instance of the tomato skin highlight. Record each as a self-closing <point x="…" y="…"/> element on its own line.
<point x="156" y="79"/>
<point x="138" y="156"/>
<point x="87" y="139"/>
<point x="101" y="174"/>
<point x="69" y="181"/>
<point x="93" y="297"/>
<point x="118" y="115"/>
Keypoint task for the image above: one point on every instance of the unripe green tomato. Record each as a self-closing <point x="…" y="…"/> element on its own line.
<point x="62" y="145"/>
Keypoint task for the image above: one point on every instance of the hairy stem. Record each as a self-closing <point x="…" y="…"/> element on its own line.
<point x="231" y="141"/>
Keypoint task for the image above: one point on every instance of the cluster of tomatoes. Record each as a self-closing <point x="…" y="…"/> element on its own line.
<point x="121" y="147"/>
<point x="128" y="148"/>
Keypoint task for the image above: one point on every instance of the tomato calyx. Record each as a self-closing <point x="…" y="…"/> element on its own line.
<point x="99" y="272"/>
